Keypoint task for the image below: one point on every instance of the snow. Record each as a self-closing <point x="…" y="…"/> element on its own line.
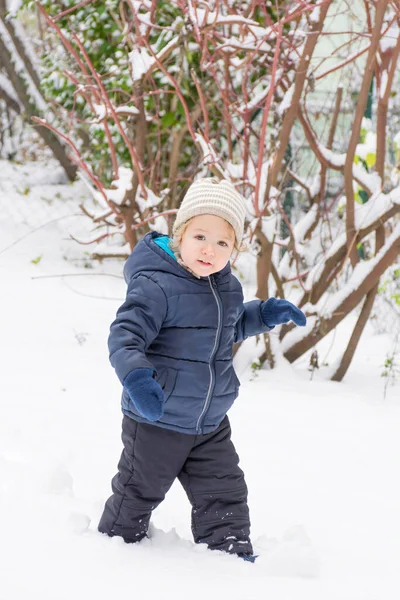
<point x="235" y="170"/>
<point x="316" y="271"/>
<point x="384" y="80"/>
<point x="370" y="181"/>
<point x="107" y="248"/>
<point x="269" y="226"/>
<point x="338" y="160"/>
<point x="304" y="225"/>
<point x="145" y="22"/>
<point x="315" y="187"/>
<point x="365" y="215"/>
<point x="127" y="110"/>
<point x="8" y="88"/>
<point x="320" y="458"/>
<point x="209" y="155"/>
<point x="100" y="111"/>
<point x="287" y="269"/>
<point x="247" y="44"/>
<point x="141" y="61"/>
<point x="377" y="206"/>
<point x="257" y="99"/>
<point x="369" y="145"/>
<point x="25" y="40"/>
<point x="328" y="305"/>
<point x="286" y="102"/>
<point x="389" y="40"/>
<point x="120" y="185"/>
<point x="159" y="224"/>
<point x="199" y="16"/>
<point x="151" y="200"/>
<point x="13" y="6"/>
<point x="33" y="93"/>
<point x="315" y="14"/>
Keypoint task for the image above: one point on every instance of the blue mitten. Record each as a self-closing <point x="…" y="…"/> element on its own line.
<point x="145" y="393"/>
<point x="276" y="311"/>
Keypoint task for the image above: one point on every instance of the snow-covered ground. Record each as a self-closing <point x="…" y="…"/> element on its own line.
<point x="322" y="459"/>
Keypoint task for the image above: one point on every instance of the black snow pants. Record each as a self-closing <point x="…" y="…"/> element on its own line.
<point x="207" y="467"/>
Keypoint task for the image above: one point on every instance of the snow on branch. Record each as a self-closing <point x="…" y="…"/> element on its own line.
<point x="119" y="187"/>
<point x="209" y="155"/>
<point x="335" y="160"/>
<point x="142" y="63"/>
<point x="257" y="99"/>
<point x="328" y="305"/>
<point x="371" y="182"/>
<point x="101" y="112"/>
<point x="204" y="17"/>
<point x="13" y="6"/>
<point x="6" y="86"/>
<point x="390" y="37"/>
<point x="377" y="206"/>
<point x="331" y="309"/>
<point x="35" y="96"/>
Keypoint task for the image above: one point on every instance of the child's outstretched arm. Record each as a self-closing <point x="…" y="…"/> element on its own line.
<point x="250" y="321"/>
<point x="259" y="317"/>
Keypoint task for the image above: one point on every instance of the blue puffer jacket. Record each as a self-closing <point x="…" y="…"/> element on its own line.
<point x="183" y="328"/>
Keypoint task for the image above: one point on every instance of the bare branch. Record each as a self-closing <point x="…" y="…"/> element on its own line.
<point x="355" y="131"/>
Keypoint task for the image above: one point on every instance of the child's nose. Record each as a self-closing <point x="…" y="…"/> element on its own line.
<point x="208" y="249"/>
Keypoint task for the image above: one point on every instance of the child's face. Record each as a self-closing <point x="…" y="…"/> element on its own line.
<point x="207" y="244"/>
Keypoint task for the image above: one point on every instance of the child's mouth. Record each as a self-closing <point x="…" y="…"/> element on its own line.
<point x="205" y="263"/>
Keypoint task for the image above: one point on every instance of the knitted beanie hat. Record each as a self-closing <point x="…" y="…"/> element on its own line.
<point x="213" y="197"/>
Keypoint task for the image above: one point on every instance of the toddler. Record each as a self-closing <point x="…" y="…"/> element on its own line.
<point x="171" y="346"/>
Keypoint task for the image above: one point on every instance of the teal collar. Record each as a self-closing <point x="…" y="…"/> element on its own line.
<point x="163" y="242"/>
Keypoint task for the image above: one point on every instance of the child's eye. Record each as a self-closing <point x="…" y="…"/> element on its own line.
<point x="199" y="237"/>
<point x="224" y="244"/>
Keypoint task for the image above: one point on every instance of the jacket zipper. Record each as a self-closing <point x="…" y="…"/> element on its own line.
<point x="214" y="350"/>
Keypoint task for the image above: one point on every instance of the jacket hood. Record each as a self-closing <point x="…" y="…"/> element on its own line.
<point x="148" y="256"/>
